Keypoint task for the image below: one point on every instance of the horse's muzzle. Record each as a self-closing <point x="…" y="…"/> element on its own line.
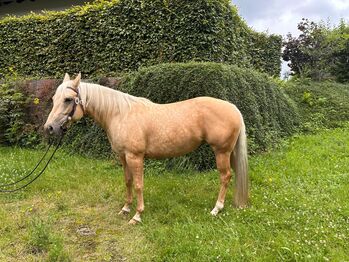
<point x="53" y="129"/>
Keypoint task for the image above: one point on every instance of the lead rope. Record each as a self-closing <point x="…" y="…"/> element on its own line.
<point x="37" y="176"/>
<point x="31" y="172"/>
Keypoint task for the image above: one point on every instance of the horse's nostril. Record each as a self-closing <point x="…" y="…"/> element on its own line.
<point x="49" y="129"/>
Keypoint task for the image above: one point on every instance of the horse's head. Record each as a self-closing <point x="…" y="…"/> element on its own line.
<point x="67" y="106"/>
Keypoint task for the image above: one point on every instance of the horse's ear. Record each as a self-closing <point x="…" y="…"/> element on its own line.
<point x="76" y="81"/>
<point x="66" y="77"/>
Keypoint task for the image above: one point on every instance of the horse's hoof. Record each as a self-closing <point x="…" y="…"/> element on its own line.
<point x="124" y="211"/>
<point x="219" y="206"/>
<point x="133" y="222"/>
<point x="214" y="212"/>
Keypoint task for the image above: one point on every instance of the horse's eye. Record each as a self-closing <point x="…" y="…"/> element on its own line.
<point x="68" y="100"/>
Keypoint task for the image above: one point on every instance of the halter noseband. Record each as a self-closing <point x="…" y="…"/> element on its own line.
<point x="77" y="101"/>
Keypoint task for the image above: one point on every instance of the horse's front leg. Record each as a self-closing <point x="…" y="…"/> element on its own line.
<point x="128" y="181"/>
<point x="135" y="165"/>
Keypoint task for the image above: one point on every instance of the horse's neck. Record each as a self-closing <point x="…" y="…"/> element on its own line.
<point x="98" y="103"/>
<point x="104" y="104"/>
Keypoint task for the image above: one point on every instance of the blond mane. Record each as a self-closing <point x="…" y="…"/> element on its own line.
<point x="106" y="101"/>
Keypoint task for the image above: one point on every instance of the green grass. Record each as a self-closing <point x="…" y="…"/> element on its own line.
<point x="299" y="211"/>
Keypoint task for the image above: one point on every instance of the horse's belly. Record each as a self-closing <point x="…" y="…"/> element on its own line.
<point x="163" y="147"/>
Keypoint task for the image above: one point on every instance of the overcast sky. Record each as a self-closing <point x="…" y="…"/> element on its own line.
<point x="282" y="16"/>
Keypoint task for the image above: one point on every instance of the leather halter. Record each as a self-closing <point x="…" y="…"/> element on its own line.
<point x="77" y="101"/>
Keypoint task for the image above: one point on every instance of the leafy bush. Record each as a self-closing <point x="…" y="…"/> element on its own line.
<point x="322" y="105"/>
<point x="122" y="35"/>
<point x="12" y="114"/>
<point x="341" y="68"/>
<point x="268" y="114"/>
<point x="15" y="125"/>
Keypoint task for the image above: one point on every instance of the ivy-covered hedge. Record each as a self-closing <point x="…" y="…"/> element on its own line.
<point x="266" y="53"/>
<point x="122" y="35"/>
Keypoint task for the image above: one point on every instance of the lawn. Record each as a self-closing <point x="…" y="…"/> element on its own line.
<point x="299" y="209"/>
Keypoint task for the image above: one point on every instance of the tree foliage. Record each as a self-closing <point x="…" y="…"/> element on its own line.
<point x="341" y="68"/>
<point x="319" y="52"/>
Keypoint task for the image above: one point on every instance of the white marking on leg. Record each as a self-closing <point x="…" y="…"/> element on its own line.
<point x="137" y="217"/>
<point x="126" y="209"/>
<point x="219" y="206"/>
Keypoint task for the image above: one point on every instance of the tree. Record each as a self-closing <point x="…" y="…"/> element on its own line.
<point x="341" y="67"/>
<point x="318" y="52"/>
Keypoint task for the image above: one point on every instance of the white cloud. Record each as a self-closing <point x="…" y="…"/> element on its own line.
<point x="340" y="4"/>
<point x="283" y="24"/>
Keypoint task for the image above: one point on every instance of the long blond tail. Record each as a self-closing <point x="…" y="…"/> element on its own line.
<point x="239" y="162"/>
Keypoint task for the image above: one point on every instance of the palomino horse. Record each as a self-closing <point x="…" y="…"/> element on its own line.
<point x="138" y="128"/>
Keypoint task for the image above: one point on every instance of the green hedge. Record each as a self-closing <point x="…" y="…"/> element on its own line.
<point x="268" y="113"/>
<point x="322" y="105"/>
<point x="266" y="53"/>
<point x="114" y="36"/>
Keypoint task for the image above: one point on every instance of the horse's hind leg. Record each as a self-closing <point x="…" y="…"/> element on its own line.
<point x="128" y="181"/>
<point x="223" y="166"/>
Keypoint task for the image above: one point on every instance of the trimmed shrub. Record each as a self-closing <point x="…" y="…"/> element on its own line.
<point x="268" y="114"/>
<point x="122" y="35"/>
<point x="265" y="52"/>
<point x="322" y="105"/>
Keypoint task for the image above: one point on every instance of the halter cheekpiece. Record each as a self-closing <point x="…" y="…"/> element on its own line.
<point x="77" y="101"/>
